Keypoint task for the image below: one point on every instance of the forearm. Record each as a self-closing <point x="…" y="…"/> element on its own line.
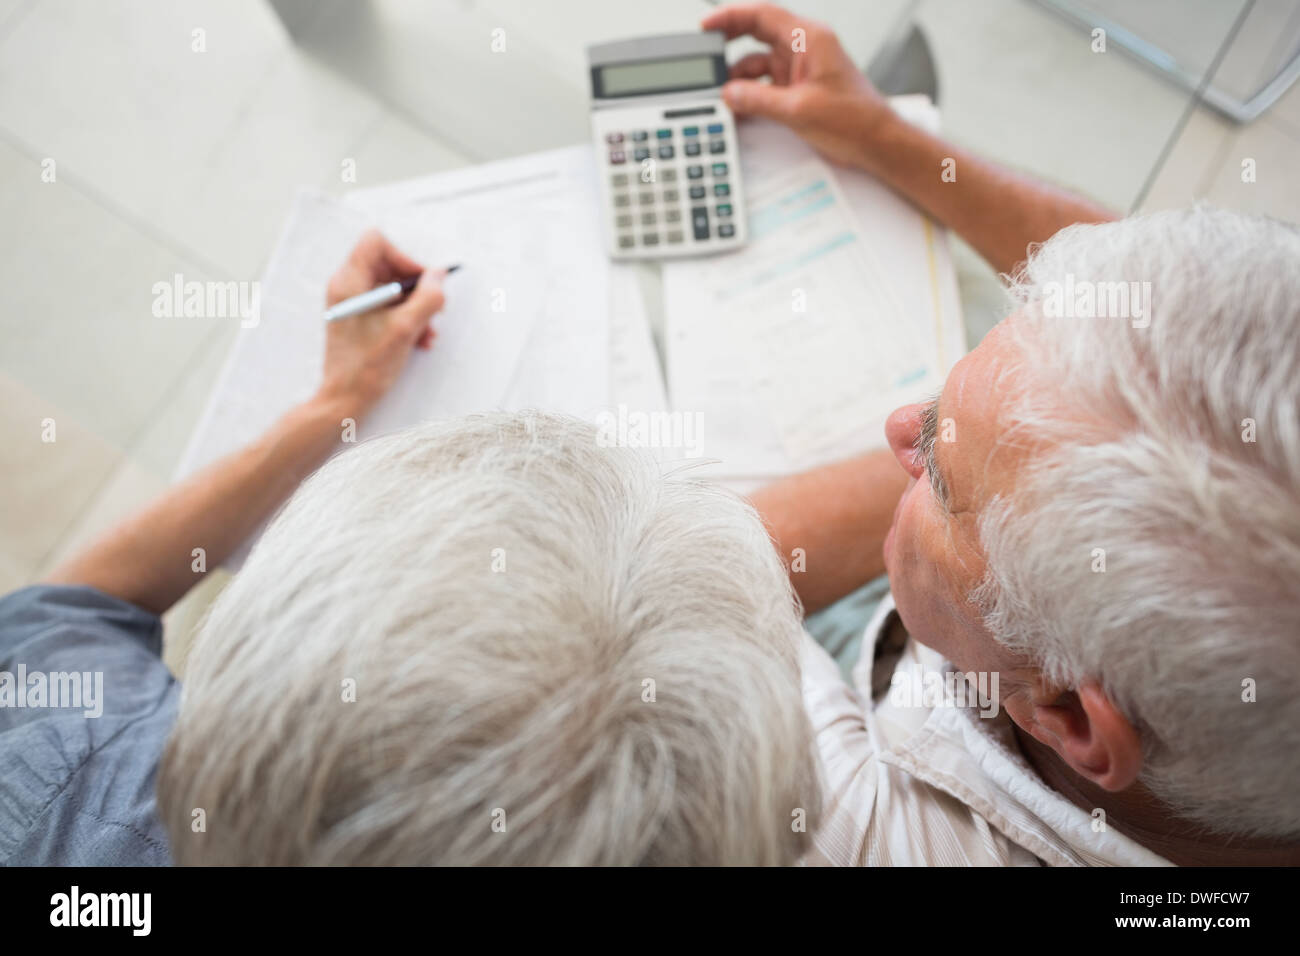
<point x="998" y="211"/>
<point x="837" y="516"/>
<point x="149" y="559"/>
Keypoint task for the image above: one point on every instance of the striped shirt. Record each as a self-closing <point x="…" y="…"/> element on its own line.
<point x="913" y="779"/>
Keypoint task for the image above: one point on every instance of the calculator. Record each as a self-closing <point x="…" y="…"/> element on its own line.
<point x="666" y="146"/>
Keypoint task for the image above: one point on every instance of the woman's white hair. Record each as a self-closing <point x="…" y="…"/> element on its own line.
<point x="1156" y="546"/>
<point x="558" y="656"/>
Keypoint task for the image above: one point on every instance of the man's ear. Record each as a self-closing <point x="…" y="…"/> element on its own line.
<point x="1088" y="732"/>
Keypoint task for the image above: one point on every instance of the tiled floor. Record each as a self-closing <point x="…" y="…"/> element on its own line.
<point x="167" y="160"/>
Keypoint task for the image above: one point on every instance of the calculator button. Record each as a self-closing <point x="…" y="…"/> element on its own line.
<point x="664" y="134"/>
<point x="722" y="189"/>
<point x="665" y="152"/>
<point x="614" y="138"/>
<point x="650" y="239"/>
<point x="718" y="146"/>
<point x="675" y="236"/>
<point x="670" y="195"/>
<point x="625" y="242"/>
<point x="647" y="219"/>
<point x="690" y="131"/>
<point x="719" y="170"/>
<point x="668" y="175"/>
<point x="639" y="136"/>
<point x="617" y="156"/>
<point x="726" y="230"/>
<point x="647" y="199"/>
<point x="715" y="128"/>
<point x="618" y="179"/>
<point x="724" y="209"/>
<point x="700" y="222"/>
<point x="697" y="192"/>
<point x="692" y="149"/>
<point x="625" y="221"/>
<point x="622" y="199"/>
<point x="694" y="172"/>
<point x="672" y="215"/>
<point x="640" y="153"/>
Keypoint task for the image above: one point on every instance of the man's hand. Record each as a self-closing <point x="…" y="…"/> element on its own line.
<point x="364" y="354"/>
<point x="816" y="90"/>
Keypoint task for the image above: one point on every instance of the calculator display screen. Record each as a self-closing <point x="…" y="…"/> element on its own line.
<point x="655" y="76"/>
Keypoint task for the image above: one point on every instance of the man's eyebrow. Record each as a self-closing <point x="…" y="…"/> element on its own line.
<point x="925" y="445"/>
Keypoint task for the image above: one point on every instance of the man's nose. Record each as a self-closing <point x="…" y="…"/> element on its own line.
<point x="902" y="429"/>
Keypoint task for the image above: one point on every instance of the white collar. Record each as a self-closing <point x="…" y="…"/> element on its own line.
<point x="978" y="762"/>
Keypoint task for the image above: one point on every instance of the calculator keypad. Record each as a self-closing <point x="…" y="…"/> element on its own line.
<point x="668" y="183"/>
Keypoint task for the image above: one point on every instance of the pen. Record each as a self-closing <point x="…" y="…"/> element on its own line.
<point x="376" y="298"/>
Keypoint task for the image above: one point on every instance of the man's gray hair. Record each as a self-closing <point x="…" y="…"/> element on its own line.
<point x="492" y="641"/>
<point x="1157" y="547"/>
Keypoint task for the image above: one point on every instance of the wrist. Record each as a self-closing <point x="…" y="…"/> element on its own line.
<point x="336" y="405"/>
<point x="878" y="128"/>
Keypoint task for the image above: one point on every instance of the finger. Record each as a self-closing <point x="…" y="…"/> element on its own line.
<point x="380" y="260"/>
<point x="763" y="21"/>
<point x="751" y="67"/>
<point x="425" y="341"/>
<point x="425" y="300"/>
<point x="752" y="98"/>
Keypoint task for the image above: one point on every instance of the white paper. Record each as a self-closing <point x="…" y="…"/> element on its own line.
<point x="779" y="390"/>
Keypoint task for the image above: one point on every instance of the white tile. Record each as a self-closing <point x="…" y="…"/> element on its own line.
<point x="395" y="149"/>
<point x="48" y="484"/>
<point x="1022" y="86"/>
<point x="1275" y="191"/>
<point x="158" y="447"/>
<point x="296" y="131"/>
<point x="1193" y="162"/>
<point x="78" y="324"/>
<point x="206" y="148"/>
<point x="126" y="490"/>
<point x="1286" y="111"/>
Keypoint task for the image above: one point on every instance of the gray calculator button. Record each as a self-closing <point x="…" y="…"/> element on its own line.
<point x="726" y="230"/>
<point x="670" y="195"/>
<point x="697" y="192"/>
<point x="668" y="175"/>
<point x="640" y="153"/>
<point x="647" y="219"/>
<point x="672" y="215"/>
<point x="718" y="146"/>
<point x="665" y="152"/>
<point x="622" y="199"/>
<point x="639" y="136"/>
<point x="618" y="179"/>
<point x="700" y="222"/>
<point x="692" y="149"/>
<point x="624" y="221"/>
<point x="675" y="236"/>
<point x="650" y="239"/>
<point x="647" y="199"/>
<point x="694" y="172"/>
<point x="625" y="242"/>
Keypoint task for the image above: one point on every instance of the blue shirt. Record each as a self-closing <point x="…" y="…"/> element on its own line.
<point x="78" y="790"/>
